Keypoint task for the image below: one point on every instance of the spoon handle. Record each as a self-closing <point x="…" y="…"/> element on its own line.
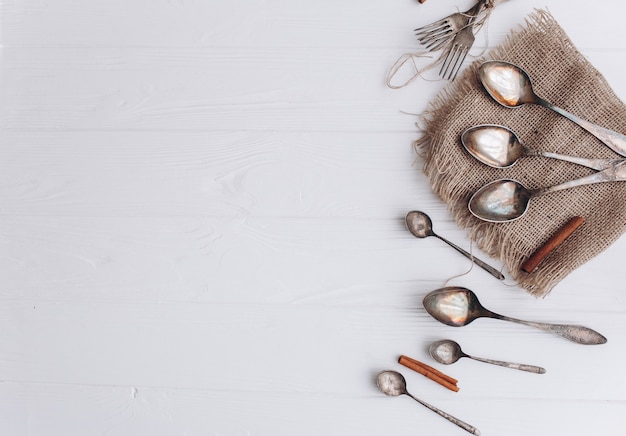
<point x="614" y="173"/>
<point x="520" y="366"/>
<point x="464" y="425"/>
<point x="491" y="270"/>
<point x="596" y="164"/>
<point x="575" y="333"/>
<point x="615" y="141"/>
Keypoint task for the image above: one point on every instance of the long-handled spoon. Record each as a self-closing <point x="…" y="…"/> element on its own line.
<point x="457" y="306"/>
<point x="506" y="200"/>
<point x="392" y="383"/>
<point x="421" y="226"/>
<point x="499" y="147"/>
<point x="447" y="352"/>
<point x="510" y="86"/>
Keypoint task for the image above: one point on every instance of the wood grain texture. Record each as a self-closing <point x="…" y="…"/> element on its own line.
<point x="202" y="229"/>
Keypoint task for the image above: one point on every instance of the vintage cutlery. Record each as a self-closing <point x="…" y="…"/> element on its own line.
<point x="421" y="226"/>
<point x="447" y="352"/>
<point x="436" y="35"/>
<point x="459" y="47"/>
<point x="506" y="200"/>
<point x="392" y="383"/>
<point x="499" y="147"/>
<point x="457" y="306"/>
<point x="510" y="86"/>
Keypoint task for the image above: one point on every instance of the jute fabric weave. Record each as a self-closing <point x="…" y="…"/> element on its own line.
<point x="562" y="76"/>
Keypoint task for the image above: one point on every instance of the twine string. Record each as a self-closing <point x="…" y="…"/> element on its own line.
<point x="482" y="17"/>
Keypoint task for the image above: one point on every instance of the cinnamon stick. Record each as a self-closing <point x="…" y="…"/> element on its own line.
<point x="429" y="372"/>
<point x="551" y="244"/>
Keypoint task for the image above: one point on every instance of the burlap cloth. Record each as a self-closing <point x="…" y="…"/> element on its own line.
<point x="562" y="76"/>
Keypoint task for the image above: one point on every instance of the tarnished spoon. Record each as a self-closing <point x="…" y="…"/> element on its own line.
<point x="421" y="226"/>
<point x="457" y="306"/>
<point x="510" y="86"/>
<point x="447" y="352"/>
<point x="392" y="383"/>
<point x="506" y="200"/>
<point x="499" y="147"/>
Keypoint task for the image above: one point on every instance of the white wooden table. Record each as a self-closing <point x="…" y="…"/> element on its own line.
<point x="201" y="229"/>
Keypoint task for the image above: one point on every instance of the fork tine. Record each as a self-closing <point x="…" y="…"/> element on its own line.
<point x="431" y="26"/>
<point x="460" y="61"/>
<point x="448" y="60"/>
<point x="435" y="36"/>
<point x="435" y="33"/>
<point x="435" y="42"/>
<point x="436" y="46"/>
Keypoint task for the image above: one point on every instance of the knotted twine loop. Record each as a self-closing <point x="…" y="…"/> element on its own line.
<point x="482" y="17"/>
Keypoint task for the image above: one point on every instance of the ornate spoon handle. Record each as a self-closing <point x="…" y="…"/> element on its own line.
<point x="596" y="164"/>
<point x="614" y="173"/>
<point x="575" y="333"/>
<point x="520" y="366"/>
<point x="614" y="140"/>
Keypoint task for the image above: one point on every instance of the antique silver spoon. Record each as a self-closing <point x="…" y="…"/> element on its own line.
<point x="392" y="383"/>
<point x="506" y="200"/>
<point x="457" y="306"/>
<point x="499" y="147"/>
<point x="510" y="86"/>
<point x="447" y="352"/>
<point x="421" y="226"/>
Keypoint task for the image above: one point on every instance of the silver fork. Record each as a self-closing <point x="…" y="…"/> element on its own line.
<point x="435" y="35"/>
<point x="459" y="47"/>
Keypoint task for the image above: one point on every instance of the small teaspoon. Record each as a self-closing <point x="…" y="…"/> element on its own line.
<point x="421" y="226"/>
<point x="448" y="352"/>
<point x="393" y="384"/>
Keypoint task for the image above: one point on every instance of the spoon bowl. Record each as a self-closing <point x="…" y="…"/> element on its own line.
<point x="458" y="306"/>
<point x="500" y="201"/>
<point x="421" y="226"/>
<point x="493" y="145"/>
<point x="507" y="84"/>
<point x="448" y="352"/>
<point x="393" y="384"/>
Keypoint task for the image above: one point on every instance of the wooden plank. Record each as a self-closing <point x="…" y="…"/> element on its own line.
<point x="209" y="174"/>
<point x="284" y="348"/>
<point x="221" y="260"/>
<point x="214" y="89"/>
<point x="125" y="410"/>
<point x="269" y="23"/>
